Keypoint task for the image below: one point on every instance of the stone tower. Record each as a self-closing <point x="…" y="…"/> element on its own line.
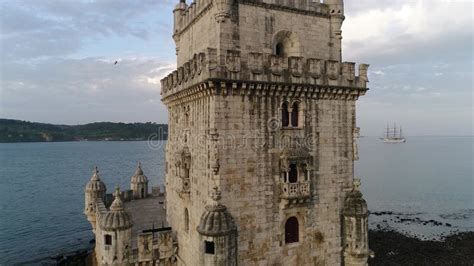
<point x="139" y="183"/>
<point x="94" y="192"/>
<point x="262" y="108"/>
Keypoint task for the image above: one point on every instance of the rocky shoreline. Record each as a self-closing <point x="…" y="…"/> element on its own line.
<point x="394" y="248"/>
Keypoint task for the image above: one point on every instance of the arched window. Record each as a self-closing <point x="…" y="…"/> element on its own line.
<point x="291" y="230"/>
<point x="279" y="49"/>
<point x="294" y="114"/>
<point x="293" y="175"/>
<point x="186" y="220"/>
<point x="285" y="116"/>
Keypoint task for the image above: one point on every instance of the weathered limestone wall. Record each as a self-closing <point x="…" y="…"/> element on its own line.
<point x="261" y="28"/>
<point x="197" y="33"/>
<point x="189" y="122"/>
<point x="250" y="178"/>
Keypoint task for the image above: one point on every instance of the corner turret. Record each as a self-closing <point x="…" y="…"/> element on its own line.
<point x="115" y="234"/>
<point x="336" y="13"/>
<point x="218" y="234"/>
<point x="95" y="191"/>
<point x="139" y="183"/>
<point x="355" y="228"/>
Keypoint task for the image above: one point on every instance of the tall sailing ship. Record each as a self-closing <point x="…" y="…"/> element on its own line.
<point x="394" y="135"/>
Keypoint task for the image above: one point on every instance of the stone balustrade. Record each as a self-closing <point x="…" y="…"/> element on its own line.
<point x="264" y="68"/>
<point x="299" y="190"/>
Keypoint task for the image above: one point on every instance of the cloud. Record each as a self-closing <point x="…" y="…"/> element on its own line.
<point x="397" y="30"/>
<point x="84" y="90"/>
<point x="32" y="29"/>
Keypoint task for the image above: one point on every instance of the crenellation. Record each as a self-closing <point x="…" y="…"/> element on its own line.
<point x="265" y="68"/>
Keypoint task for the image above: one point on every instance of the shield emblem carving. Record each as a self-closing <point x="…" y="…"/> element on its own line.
<point x="256" y="63"/>
<point x="332" y="69"/>
<point x="233" y="61"/>
<point x="315" y="67"/>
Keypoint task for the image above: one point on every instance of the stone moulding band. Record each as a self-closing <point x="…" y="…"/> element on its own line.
<point x="225" y="87"/>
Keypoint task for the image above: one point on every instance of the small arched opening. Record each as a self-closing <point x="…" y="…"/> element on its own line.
<point x="295" y="114"/>
<point x="286" y="44"/>
<point x="293" y="174"/>
<point x="279" y="49"/>
<point x="186" y="220"/>
<point x="291" y="230"/>
<point x="285" y="115"/>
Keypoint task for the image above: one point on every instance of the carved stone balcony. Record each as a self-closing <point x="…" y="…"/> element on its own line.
<point x="186" y="187"/>
<point x="299" y="191"/>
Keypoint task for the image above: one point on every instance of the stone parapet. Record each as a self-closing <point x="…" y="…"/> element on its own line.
<point x="189" y="14"/>
<point x="264" y="68"/>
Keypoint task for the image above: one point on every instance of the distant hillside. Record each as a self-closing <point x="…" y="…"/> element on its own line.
<point x="24" y="131"/>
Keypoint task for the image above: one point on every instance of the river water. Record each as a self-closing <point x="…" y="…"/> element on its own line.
<point x="41" y="187"/>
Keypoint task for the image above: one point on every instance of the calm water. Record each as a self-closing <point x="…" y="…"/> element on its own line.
<point x="41" y="187"/>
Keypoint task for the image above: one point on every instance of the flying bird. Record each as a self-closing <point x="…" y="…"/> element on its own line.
<point x="116" y="62"/>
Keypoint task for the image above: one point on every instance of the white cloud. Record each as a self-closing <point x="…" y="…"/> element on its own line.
<point x="401" y="26"/>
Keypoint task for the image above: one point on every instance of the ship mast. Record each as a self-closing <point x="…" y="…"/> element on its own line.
<point x="395" y="130"/>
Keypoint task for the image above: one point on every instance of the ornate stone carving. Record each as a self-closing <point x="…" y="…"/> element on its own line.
<point x="315" y="67"/>
<point x="223" y="10"/>
<point x="212" y="59"/>
<point x="187" y="71"/>
<point x="276" y="65"/>
<point x="232" y="61"/>
<point x="296" y="66"/>
<point x="167" y="248"/>
<point x="255" y="63"/>
<point x="332" y="69"/>
<point x="200" y="63"/>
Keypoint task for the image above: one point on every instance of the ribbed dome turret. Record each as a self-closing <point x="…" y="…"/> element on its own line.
<point x="139" y="177"/>
<point x="116" y="218"/>
<point x="355" y="205"/>
<point x="95" y="184"/>
<point x="216" y="220"/>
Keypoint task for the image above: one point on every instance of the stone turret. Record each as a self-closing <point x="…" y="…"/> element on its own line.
<point x="115" y="233"/>
<point x="95" y="191"/>
<point x="139" y="183"/>
<point x="218" y="234"/>
<point x="355" y="228"/>
<point x="336" y="13"/>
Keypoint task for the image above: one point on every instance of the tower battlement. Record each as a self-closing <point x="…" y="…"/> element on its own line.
<point x="262" y="68"/>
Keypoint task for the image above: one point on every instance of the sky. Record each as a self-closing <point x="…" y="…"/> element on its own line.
<point x="57" y="61"/>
